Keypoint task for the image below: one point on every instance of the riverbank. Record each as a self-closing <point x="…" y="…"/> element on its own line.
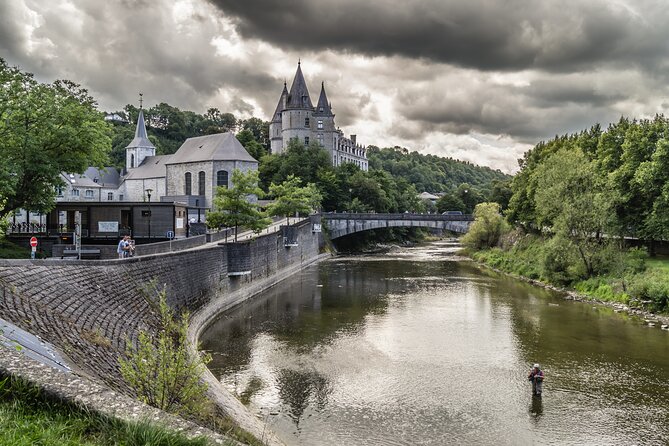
<point x="499" y="262"/>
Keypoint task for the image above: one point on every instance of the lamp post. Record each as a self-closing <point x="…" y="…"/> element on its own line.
<point x="148" y="195"/>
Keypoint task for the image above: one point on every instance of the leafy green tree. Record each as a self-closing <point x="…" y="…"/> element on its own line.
<point x="292" y="199"/>
<point x="45" y="129"/>
<point x="571" y="200"/>
<point x="161" y="368"/>
<point x="233" y="206"/>
<point x="488" y="227"/>
<point x="450" y="202"/>
<point x="255" y="149"/>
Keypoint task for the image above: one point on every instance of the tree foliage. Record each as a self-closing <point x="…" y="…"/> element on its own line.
<point x="488" y="227"/>
<point x="235" y="207"/>
<point x="291" y="199"/>
<point x="45" y="129"/>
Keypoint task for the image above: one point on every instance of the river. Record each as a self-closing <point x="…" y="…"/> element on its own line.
<point x="420" y="347"/>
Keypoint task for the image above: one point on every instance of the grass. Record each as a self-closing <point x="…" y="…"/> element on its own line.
<point x="29" y="417"/>
<point x="9" y="250"/>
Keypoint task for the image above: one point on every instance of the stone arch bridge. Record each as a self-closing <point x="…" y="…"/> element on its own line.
<point x="341" y="224"/>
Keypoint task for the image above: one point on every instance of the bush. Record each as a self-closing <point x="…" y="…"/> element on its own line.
<point x="162" y="370"/>
<point x="488" y="227"/>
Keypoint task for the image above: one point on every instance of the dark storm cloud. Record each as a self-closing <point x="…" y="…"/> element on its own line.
<point x="483" y="34"/>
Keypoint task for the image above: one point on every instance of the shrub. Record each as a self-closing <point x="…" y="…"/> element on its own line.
<point x="488" y="227"/>
<point x="162" y="370"/>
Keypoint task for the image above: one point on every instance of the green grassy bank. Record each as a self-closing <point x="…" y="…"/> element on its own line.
<point x="29" y="417"/>
<point x="628" y="277"/>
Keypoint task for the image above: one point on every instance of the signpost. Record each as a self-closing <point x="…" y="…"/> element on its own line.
<point x="33" y="246"/>
<point x="170" y="235"/>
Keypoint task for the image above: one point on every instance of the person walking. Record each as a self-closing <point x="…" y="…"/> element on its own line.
<point x="536" y="376"/>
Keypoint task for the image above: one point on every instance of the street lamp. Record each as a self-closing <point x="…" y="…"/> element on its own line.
<point x="148" y="195"/>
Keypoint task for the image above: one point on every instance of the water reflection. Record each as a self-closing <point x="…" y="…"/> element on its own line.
<point x="418" y="347"/>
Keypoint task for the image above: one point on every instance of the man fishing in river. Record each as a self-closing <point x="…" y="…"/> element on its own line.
<point x="536" y="376"/>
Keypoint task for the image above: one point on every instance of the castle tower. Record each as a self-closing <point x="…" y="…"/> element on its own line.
<point x="324" y="125"/>
<point x="140" y="147"/>
<point x="275" y="127"/>
<point x="297" y="116"/>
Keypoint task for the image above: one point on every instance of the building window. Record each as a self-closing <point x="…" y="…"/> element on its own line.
<point x="132" y="160"/>
<point x="306" y="122"/>
<point x="201" y="177"/>
<point x="89" y="193"/>
<point x="75" y="192"/>
<point x="320" y="124"/>
<point x="222" y="178"/>
<point x="320" y="109"/>
<point x="59" y="191"/>
<point x="110" y="196"/>
<point x="320" y="138"/>
<point x="306" y="140"/>
<point x="188" y="185"/>
<point x="120" y="197"/>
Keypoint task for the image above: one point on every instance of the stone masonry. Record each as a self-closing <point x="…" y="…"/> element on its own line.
<point x="87" y="309"/>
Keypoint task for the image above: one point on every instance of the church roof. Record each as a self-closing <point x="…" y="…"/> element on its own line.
<point x="279" y="107"/>
<point x="299" y="94"/>
<point x="151" y="167"/>
<point x="323" y="107"/>
<point x="218" y="147"/>
<point x="141" y="138"/>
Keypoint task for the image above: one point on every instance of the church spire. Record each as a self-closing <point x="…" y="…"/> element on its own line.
<point x="299" y="94"/>
<point x="281" y="105"/>
<point x="323" y="107"/>
<point x="141" y="138"/>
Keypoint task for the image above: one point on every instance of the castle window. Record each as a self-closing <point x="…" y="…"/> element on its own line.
<point x="320" y="138"/>
<point x="306" y="122"/>
<point x="188" y="187"/>
<point x="110" y="196"/>
<point x="75" y="192"/>
<point x="59" y="191"/>
<point x="89" y="193"/>
<point x="222" y="178"/>
<point x="306" y="140"/>
<point x="120" y="197"/>
<point x="320" y="109"/>
<point x="320" y="124"/>
<point x="132" y="160"/>
<point x="201" y="178"/>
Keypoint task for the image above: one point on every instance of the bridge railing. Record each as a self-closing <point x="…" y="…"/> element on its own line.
<point x="395" y="216"/>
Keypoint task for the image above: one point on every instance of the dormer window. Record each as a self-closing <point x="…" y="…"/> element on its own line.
<point x="320" y="109"/>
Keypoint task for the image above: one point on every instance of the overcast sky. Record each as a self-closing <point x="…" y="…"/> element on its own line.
<point x="477" y="80"/>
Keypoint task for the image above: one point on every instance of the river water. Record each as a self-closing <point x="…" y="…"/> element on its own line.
<point x="420" y="347"/>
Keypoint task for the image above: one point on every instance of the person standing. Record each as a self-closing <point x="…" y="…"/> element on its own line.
<point x="536" y="376"/>
<point x="121" y="248"/>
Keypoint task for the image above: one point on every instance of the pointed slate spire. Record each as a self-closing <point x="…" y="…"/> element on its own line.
<point x="281" y="105"/>
<point x="299" y="94"/>
<point x="323" y="107"/>
<point x="141" y="139"/>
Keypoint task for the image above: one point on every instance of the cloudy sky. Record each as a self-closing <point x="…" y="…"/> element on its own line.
<point x="477" y="80"/>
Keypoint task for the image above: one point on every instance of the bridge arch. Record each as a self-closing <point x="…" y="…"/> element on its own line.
<point x="342" y="224"/>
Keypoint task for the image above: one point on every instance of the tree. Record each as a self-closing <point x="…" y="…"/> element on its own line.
<point x="291" y="199"/>
<point x="233" y="206"/>
<point x="450" y="202"/>
<point x="487" y="228"/>
<point x="255" y="149"/>
<point x="45" y="129"/>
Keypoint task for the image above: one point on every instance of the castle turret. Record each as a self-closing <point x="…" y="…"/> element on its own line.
<point x="296" y="118"/>
<point x="140" y="147"/>
<point x="325" y="126"/>
<point x="275" y="126"/>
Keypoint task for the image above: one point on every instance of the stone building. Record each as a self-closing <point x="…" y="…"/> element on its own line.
<point x="295" y="117"/>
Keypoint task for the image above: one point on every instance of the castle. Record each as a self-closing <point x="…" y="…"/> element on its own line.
<point x="295" y="117"/>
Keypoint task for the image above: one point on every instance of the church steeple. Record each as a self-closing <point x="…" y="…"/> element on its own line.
<point x="299" y="94"/>
<point x="140" y="147"/>
<point x="323" y="108"/>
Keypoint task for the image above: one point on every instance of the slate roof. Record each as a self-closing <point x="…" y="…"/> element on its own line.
<point x="151" y="167"/>
<point x="323" y="103"/>
<point x="218" y="147"/>
<point x="141" y="138"/>
<point x="106" y="177"/>
<point x="299" y="94"/>
<point x="279" y="107"/>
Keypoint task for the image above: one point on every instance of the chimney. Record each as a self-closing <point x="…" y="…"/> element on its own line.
<point x="353" y="139"/>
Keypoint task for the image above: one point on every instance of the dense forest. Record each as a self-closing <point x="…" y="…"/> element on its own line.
<point x="395" y="177"/>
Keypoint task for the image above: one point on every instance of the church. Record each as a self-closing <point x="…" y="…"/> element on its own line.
<point x="295" y="117"/>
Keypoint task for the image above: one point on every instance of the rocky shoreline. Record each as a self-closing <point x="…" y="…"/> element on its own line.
<point x="651" y="319"/>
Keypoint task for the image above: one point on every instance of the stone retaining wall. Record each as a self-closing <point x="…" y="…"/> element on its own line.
<point x="88" y="308"/>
